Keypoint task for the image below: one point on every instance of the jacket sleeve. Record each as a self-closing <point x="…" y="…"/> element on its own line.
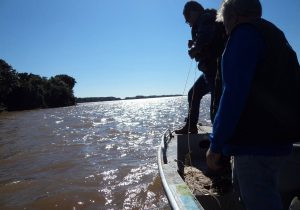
<point x="205" y="30"/>
<point x="243" y="52"/>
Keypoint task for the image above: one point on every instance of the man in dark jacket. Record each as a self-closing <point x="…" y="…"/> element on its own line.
<point x="206" y="47"/>
<point x="258" y="116"/>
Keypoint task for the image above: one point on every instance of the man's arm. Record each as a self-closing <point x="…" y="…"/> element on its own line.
<point x="243" y="52"/>
<point x="205" y="33"/>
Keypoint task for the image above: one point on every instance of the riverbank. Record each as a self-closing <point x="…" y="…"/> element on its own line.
<point x="99" y="99"/>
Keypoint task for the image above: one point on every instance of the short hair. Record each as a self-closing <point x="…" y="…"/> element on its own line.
<point x="244" y="8"/>
<point x="192" y="6"/>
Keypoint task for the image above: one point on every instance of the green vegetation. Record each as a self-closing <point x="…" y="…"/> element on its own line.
<point x="20" y="91"/>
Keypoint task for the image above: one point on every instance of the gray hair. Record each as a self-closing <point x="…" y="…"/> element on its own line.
<point x="244" y="8"/>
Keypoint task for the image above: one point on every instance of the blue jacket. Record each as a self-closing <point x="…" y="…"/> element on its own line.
<point x="241" y="124"/>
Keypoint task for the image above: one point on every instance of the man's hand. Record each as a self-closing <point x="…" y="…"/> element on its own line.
<point x="193" y="52"/>
<point x="213" y="159"/>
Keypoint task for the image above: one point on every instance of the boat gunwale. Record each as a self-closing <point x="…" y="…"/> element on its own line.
<point x="169" y="193"/>
<point x="166" y="187"/>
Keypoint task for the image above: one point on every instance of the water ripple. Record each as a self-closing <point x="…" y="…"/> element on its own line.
<point x="90" y="156"/>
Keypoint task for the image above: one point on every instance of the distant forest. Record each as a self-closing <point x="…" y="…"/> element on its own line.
<point x="21" y="91"/>
<point x="97" y="99"/>
<point x="24" y="91"/>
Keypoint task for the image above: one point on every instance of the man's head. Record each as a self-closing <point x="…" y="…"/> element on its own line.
<point x="191" y="11"/>
<point x="233" y="12"/>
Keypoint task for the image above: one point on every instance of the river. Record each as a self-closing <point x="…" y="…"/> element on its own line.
<point x="90" y="156"/>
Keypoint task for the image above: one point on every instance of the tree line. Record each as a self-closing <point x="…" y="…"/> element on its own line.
<point x="21" y="91"/>
<point x="96" y="99"/>
<point x="111" y="98"/>
<point x="151" y="96"/>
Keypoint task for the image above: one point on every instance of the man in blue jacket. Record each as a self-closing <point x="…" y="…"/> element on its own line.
<point x="258" y="116"/>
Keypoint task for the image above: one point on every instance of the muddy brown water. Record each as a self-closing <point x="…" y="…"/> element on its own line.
<point x="91" y="156"/>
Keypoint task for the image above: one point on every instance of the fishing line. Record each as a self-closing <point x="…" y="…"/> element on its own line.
<point x="189" y="113"/>
<point x="190" y="106"/>
<point x="186" y="81"/>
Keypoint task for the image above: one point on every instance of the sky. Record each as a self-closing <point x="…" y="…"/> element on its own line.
<point x="119" y="48"/>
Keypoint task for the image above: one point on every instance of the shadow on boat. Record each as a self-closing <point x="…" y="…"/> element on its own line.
<point x="183" y="171"/>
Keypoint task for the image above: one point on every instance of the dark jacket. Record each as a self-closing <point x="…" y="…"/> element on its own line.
<point x="209" y="39"/>
<point x="273" y="107"/>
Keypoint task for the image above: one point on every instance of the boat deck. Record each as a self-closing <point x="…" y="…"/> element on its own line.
<point x="188" y="185"/>
<point x="183" y="174"/>
<point x="212" y="192"/>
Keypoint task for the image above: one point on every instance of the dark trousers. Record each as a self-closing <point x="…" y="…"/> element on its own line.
<point x="203" y="85"/>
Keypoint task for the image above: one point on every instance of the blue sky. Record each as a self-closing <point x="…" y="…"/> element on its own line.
<point x="114" y="48"/>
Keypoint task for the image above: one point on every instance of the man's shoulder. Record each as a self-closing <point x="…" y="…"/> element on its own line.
<point x="205" y="20"/>
<point x="211" y="12"/>
<point x="209" y="15"/>
<point x="244" y="29"/>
